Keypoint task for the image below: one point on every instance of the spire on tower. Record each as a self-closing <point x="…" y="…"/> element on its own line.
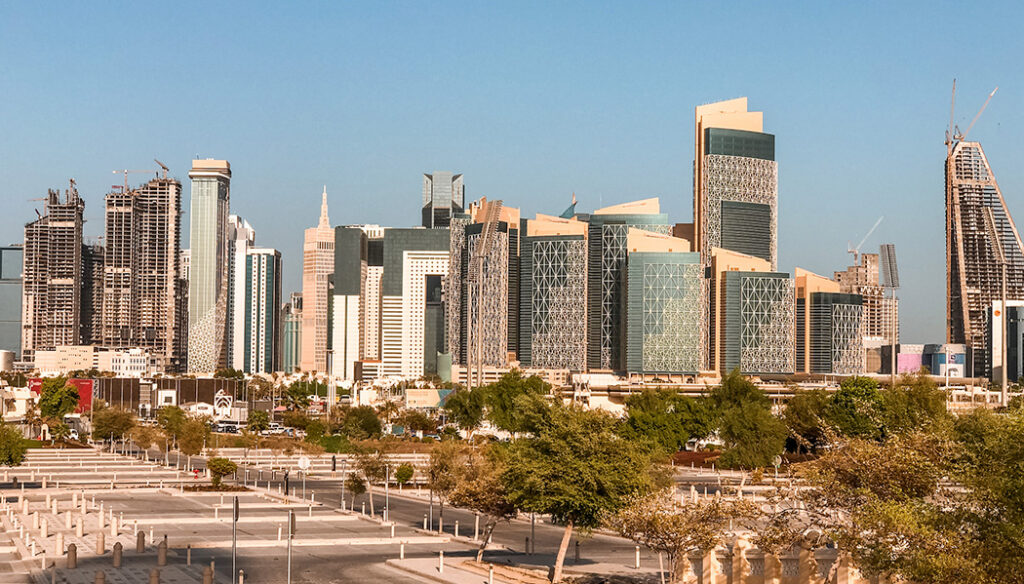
<point x="324" y="220"/>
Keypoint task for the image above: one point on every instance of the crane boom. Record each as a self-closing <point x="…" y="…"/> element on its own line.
<point x="978" y="115"/>
<point x="856" y="250"/>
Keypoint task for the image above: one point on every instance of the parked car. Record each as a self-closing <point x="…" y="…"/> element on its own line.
<point x="73" y="434"/>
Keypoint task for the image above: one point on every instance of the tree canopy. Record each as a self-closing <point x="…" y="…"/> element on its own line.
<point x="57" y="398"/>
<point x="667" y="418"/>
<point x="751" y="434"/>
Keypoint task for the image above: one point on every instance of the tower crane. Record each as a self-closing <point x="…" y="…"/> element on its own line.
<point x="953" y="134"/>
<point x="128" y="171"/>
<point x="856" y="250"/>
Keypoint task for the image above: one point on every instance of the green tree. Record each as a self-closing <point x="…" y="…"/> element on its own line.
<point x="479" y="488"/>
<point x="667" y="419"/>
<point x="260" y="387"/>
<point x="855" y="409"/>
<point x="503" y="400"/>
<point x="356" y="485"/>
<point x="57" y="398"/>
<point x="220" y="468"/>
<point x="752" y="435"/>
<point x="446" y="461"/>
<point x="229" y="373"/>
<point x="296" y="397"/>
<point x="109" y="422"/>
<point x="359" y="423"/>
<point x="373" y="467"/>
<point x="12" y="446"/>
<point x="916" y="403"/>
<point x="195" y="433"/>
<point x="804" y="417"/>
<point x="417" y="421"/>
<point x="404" y="473"/>
<point x="465" y="408"/>
<point x="258" y="421"/>
<point x="315" y="430"/>
<point x="576" y="469"/>
<point x="171" y="420"/>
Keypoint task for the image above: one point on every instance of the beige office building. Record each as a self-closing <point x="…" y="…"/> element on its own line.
<point x="317" y="267"/>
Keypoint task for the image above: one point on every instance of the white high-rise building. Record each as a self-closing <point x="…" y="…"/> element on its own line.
<point x="208" y="264"/>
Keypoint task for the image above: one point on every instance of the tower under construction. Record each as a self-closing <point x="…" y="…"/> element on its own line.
<point x="142" y="305"/>
<point x="52" y="276"/>
<point x="974" y="275"/>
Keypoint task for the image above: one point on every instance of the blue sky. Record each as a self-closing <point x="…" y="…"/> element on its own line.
<point x="530" y="100"/>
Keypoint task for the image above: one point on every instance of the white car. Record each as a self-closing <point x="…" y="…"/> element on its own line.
<point x="73" y="434"/>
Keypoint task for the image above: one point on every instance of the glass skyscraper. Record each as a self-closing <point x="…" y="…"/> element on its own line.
<point x="208" y="271"/>
<point x="443" y="197"/>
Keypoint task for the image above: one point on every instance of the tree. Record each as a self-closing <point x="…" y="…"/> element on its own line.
<point x="855" y="409"/>
<point x="388" y="410"/>
<point x="57" y="398"/>
<point x="360" y="423"/>
<point x="404" y="473"/>
<point x="502" y="399"/>
<point x="12" y="446"/>
<point x="258" y="421"/>
<point x="356" y="486"/>
<point x="195" y="433"/>
<point x="109" y="422"/>
<point x="479" y="488"/>
<point x="417" y="421"/>
<point x="804" y="417"/>
<point x="664" y="523"/>
<point x="446" y="461"/>
<point x="576" y="469"/>
<point x="372" y="466"/>
<point x="916" y="403"/>
<point x="315" y="431"/>
<point x="260" y="387"/>
<point x="171" y="420"/>
<point x="465" y="408"/>
<point x="752" y="435"/>
<point x="667" y="419"/>
<point x="229" y="373"/>
<point x="220" y="468"/>
<point x="296" y="397"/>
<point x="147" y="436"/>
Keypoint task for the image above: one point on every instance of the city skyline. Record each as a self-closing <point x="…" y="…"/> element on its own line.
<point x="840" y="117"/>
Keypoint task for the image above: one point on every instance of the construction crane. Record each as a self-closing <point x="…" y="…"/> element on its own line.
<point x="490" y="212"/>
<point x="128" y="171"/>
<point x="856" y="250"/>
<point x="163" y="166"/>
<point x="953" y="134"/>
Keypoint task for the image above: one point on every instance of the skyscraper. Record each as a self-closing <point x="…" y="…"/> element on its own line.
<point x="317" y="267"/>
<point x="443" y="198"/>
<point x="262" y="319"/>
<point x="348" y="298"/>
<point x="606" y="261"/>
<point x="735" y="182"/>
<point x="828" y="327"/>
<point x="10" y="298"/>
<point x="208" y="264"/>
<point x="142" y="286"/>
<point x="291" y="342"/>
<point x="552" y="284"/>
<point x="241" y="238"/>
<point x="973" y="271"/>
<point x="52" y="276"/>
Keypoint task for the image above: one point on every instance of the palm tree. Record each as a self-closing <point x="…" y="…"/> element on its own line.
<point x="388" y="409"/>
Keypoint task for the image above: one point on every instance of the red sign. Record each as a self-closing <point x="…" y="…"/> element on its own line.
<point x="84" y="387"/>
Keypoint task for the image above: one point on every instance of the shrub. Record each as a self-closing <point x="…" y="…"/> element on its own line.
<point x="220" y="468"/>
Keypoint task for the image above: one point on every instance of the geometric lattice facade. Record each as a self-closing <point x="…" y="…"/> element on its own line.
<point x="606" y="264"/>
<point x="486" y="302"/>
<point x="758" y="327"/>
<point x="208" y="267"/>
<point x="835" y="333"/>
<point x="973" y="274"/>
<point x="553" y="318"/>
<point x="740" y="206"/>
<point x="664" y="315"/>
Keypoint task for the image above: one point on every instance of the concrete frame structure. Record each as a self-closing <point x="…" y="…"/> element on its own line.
<point x="52" y="275"/>
<point x="142" y="289"/>
<point x="317" y="267"/>
<point x="879" y="310"/>
<point x="973" y="272"/>
<point x="208" y="268"/>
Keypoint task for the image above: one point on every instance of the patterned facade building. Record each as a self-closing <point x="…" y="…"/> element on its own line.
<point x="606" y="262"/>
<point x="552" y="282"/>
<point x="52" y="275"/>
<point x="973" y="272"/>
<point x="664" y="313"/>
<point x="208" y="265"/>
<point x="828" y="327"/>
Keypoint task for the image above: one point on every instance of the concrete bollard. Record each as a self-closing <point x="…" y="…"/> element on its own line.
<point x="363" y="511"/>
<point x="636" y="560"/>
<point x="278" y="533"/>
<point x="161" y="554"/>
<point x="440" y="562"/>
<point x="60" y="543"/>
<point x="79" y="530"/>
<point x="310" y="510"/>
<point x="424" y="522"/>
<point x="35" y="520"/>
<point x="48" y="499"/>
<point x="100" y="523"/>
<point x="401" y="551"/>
<point x="241" y="577"/>
<point x="118" y="552"/>
<point x="207" y="575"/>
<point x="392" y="531"/>
<point x="188" y="555"/>
<point x="24" y="506"/>
<point x="490" y="574"/>
<point x="216" y="513"/>
<point x="55" y="507"/>
<point x="113" y="528"/>
<point x="140" y="542"/>
<point x="101" y="544"/>
<point x="456" y="529"/>
<point x="154" y="576"/>
<point x="151" y="533"/>
<point x="74" y="499"/>
<point x="43" y="531"/>
<point x="67" y="520"/>
<point x="476" y="527"/>
<point x="101" y="578"/>
<point x="72" y="561"/>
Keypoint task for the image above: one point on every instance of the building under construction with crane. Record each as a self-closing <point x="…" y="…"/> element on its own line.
<point x="977" y="251"/>
<point x="144" y="298"/>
